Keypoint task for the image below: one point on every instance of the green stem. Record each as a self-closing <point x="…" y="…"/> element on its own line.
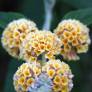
<point x="43" y="59"/>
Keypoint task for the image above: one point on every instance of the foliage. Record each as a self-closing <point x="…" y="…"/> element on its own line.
<point x="84" y="15"/>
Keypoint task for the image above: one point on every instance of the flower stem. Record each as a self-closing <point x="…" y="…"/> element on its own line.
<point x="49" y="4"/>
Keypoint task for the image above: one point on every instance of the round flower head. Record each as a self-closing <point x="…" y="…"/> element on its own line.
<point x="74" y="37"/>
<point x="15" y="33"/>
<point x="41" y="42"/>
<point x="25" y="76"/>
<point x="60" y="74"/>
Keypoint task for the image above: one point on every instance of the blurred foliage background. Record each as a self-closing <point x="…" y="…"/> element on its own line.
<point x="34" y="9"/>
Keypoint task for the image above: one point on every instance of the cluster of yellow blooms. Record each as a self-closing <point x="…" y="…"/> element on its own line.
<point x="41" y="42"/>
<point x="25" y="76"/>
<point x="15" y="33"/>
<point x="22" y="39"/>
<point x="74" y="37"/>
<point x="60" y="74"/>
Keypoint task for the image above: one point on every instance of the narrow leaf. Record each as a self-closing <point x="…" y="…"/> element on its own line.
<point x="84" y="15"/>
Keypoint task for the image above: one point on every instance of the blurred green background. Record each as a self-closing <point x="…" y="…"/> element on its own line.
<point x="34" y="9"/>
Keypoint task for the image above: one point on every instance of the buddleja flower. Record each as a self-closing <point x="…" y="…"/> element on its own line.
<point x="42" y="84"/>
<point x="75" y="38"/>
<point x="41" y="42"/>
<point x="15" y="33"/>
<point x="25" y="76"/>
<point x="60" y="74"/>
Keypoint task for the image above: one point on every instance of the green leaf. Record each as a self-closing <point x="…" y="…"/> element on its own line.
<point x="84" y="15"/>
<point x="12" y="68"/>
<point x="79" y="3"/>
<point x="6" y="17"/>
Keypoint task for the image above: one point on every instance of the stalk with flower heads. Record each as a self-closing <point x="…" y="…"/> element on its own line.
<point x="42" y="71"/>
<point x="27" y="42"/>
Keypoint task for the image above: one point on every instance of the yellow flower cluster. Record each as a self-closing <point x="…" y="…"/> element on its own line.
<point x="15" y="33"/>
<point x="74" y="37"/>
<point x="22" y="39"/>
<point x="25" y="76"/>
<point x="60" y="74"/>
<point x="41" y="42"/>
